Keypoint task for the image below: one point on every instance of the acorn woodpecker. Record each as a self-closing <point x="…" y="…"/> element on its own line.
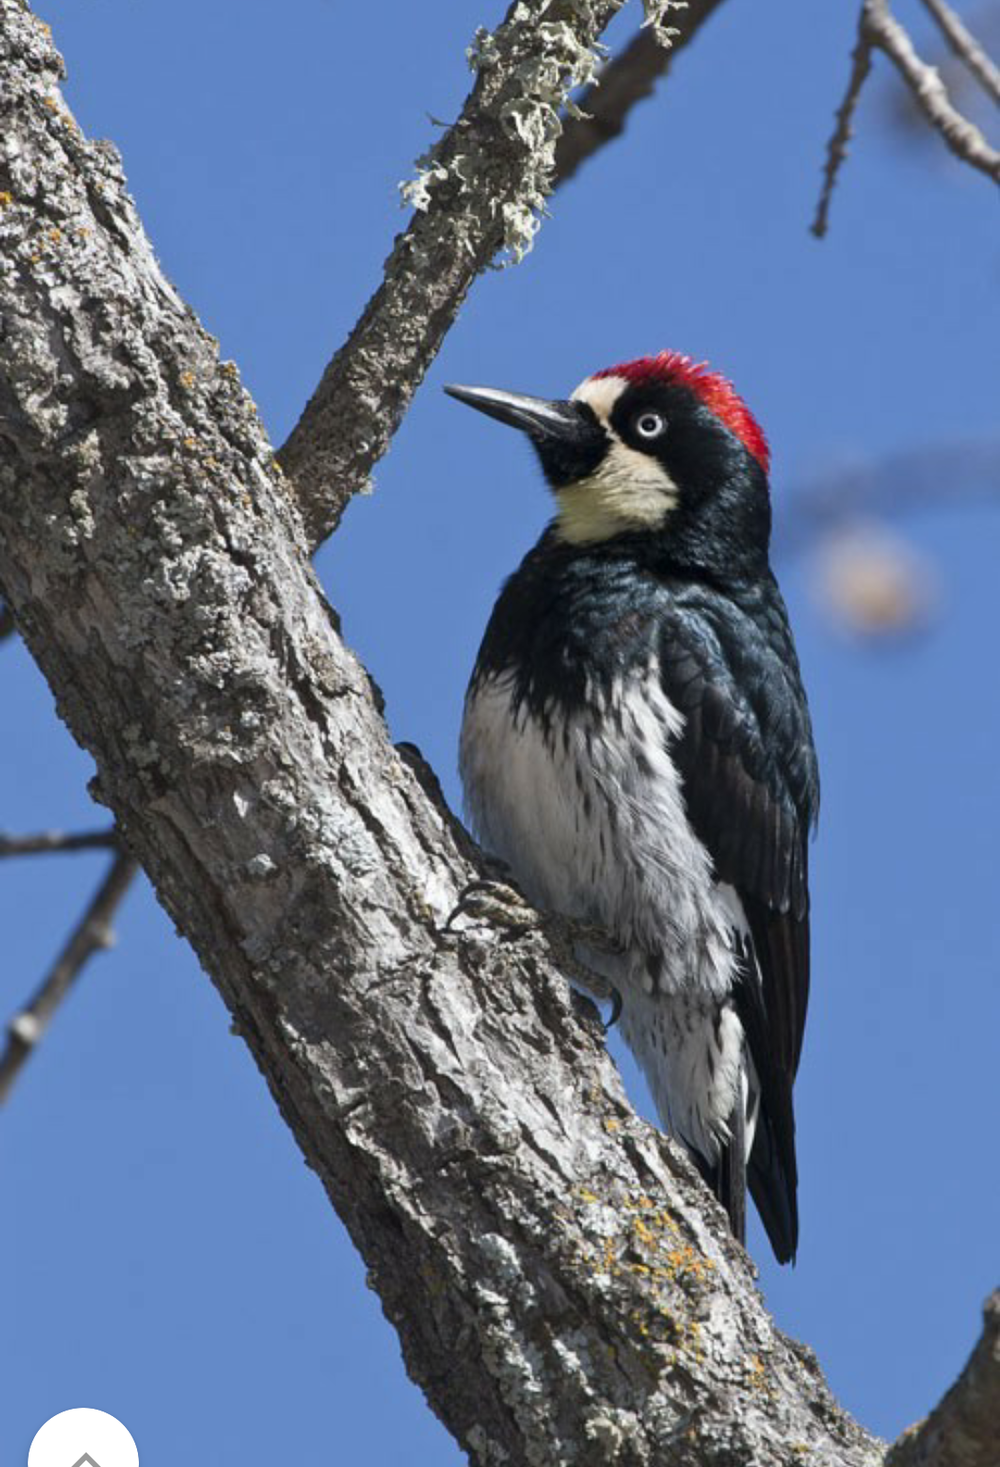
<point x="636" y="747"/>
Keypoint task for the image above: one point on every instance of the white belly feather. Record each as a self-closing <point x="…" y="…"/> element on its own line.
<point x="593" y="825"/>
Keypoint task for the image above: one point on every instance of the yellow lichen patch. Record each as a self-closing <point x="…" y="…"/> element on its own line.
<point x="187" y="380"/>
<point x="587" y="1196"/>
<point x="755" y="1371"/>
<point x="6" y="198"/>
<point x="55" y="235"/>
<point x="611" y="1125"/>
<point x="686" y="1261"/>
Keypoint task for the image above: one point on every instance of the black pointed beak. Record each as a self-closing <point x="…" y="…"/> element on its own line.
<point x="540" y="419"/>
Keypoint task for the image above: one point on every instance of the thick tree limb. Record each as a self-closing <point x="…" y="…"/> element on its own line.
<point x="964" y="1431"/>
<point x="563" y="1285"/>
<point x="91" y="934"/>
<point x="627" y="79"/>
<point x="879" y="30"/>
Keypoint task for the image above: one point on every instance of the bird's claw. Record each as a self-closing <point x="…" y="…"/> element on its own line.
<point x="497" y="902"/>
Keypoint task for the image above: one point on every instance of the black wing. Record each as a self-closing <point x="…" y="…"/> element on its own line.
<point x="751" y="789"/>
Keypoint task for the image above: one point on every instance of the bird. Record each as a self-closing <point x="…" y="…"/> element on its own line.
<point x="636" y="749"/>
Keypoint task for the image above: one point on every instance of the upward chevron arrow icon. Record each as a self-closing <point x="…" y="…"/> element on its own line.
<point x="86" y="1461"/>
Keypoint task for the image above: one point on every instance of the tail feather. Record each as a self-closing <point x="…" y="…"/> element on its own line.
<point x="773" y="1192"/>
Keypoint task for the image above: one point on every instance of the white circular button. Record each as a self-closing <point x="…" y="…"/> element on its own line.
<point x="83" y="1438"/>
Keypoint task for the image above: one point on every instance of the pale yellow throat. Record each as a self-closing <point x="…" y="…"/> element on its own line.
<point x="629" y="491"/>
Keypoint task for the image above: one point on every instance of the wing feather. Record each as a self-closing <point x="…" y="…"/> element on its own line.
<point x="748" y="766"/>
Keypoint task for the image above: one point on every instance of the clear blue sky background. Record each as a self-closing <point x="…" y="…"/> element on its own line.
<point x="166" y="1255"/>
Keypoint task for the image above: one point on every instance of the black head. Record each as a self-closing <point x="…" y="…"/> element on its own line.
<point x="659" y="449"/>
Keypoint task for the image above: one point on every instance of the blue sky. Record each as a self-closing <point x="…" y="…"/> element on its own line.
<point x="167" y="1256"/>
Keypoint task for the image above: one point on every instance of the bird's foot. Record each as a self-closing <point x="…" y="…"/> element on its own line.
<point x="497" y="902"/>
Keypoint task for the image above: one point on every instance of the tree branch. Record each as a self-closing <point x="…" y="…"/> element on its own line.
<point x="965" y="46"/>
<point x="879" y="30"/>
<point x="479" y="191"/>
<point x="626" y="80"/>
<point x="91" y="934"/>
<point x="7" y="627"/>
<point x="55" y="841"/>
<point x="836" y="152"/>
<point x="963" y="1430"/>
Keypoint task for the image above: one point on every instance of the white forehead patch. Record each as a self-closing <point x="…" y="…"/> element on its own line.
<point x="628" y="490"/>
<point x="600" y="394"/>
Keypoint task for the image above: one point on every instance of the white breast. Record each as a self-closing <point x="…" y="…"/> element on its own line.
<point x="587" y="811"/>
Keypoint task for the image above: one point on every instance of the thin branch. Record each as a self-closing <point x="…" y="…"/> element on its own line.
<point x="961" y="136"/>
<point x="626" y="80"/>
<point x="965" y="46"/>
<point x="92" y="933"/>
<point x="836" y="152"/>
<point x="7" y="627"/>
<point x="878" y="29"/>
<point x="51" y="841"/>
<point x="962" y="1431"/>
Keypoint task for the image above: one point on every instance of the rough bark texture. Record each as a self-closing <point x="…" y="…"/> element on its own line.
<point x="564" y="1289"/>
<point x="964" y="1431"/>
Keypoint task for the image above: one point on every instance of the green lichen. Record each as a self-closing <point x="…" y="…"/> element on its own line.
<point x="528" y="67"/>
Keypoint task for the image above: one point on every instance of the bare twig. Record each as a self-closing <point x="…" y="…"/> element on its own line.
<point x="879" y="30"/>
<point x="628" y="78"/>
<point x="50" y="841"/>
<point x="962" y="1430"/>
<point x="92" y="933"/>
<point x="966" y="47"/>
<point x="861" y="61"/>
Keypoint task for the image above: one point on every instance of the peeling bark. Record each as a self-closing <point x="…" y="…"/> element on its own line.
<point x="564" y="1288"/>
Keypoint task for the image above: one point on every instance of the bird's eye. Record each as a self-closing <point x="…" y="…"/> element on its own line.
<point x="650" y="425"/>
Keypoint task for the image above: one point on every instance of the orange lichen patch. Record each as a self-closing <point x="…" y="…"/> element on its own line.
<point x="686" y="1261"/>
<point x="187" y="380"/>
<point x="55" y="235"/>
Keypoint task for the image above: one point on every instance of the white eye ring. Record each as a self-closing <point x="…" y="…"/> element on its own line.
<point x="649" y="425"/>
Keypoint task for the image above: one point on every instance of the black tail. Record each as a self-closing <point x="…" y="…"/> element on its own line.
<point x="774" y="1190"/>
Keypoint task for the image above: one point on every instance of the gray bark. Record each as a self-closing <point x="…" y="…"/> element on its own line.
<point x="564" y="1289"/>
